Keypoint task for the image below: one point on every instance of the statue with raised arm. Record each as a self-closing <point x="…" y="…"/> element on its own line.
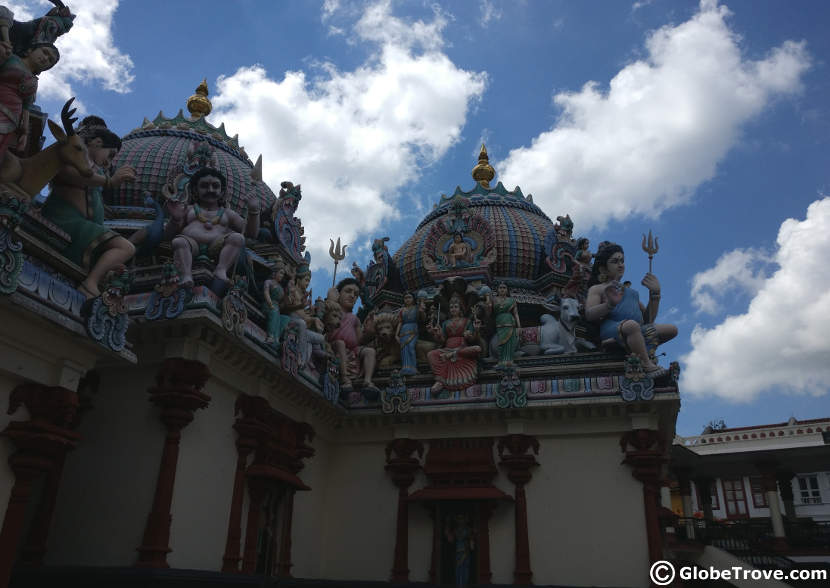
<point x="76" y="205"/>
<point x="356" y="358"/>
<point x="209" y="226"/>
<point x="619" y="312"/>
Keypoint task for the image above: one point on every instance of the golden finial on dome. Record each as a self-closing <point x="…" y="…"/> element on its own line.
<point x="198" y="104"/>
<point x="483" y="172"/>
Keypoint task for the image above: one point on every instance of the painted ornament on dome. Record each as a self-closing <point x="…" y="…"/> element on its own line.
<point x="288" y="228"/>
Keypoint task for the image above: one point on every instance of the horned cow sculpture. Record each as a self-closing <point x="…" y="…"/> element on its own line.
<point x="27" y="177"/>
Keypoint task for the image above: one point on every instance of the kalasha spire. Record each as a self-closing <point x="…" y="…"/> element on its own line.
<point x="198" y="104"/>
<point x="483" y="172"/>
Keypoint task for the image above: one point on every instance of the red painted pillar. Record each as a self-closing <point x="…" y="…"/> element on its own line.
<point x="245" y="444"/>
<point x="35" y="549"/>
<point x="401" y="466"/>
<point x="436" y="544"/>
<point x="42" y="443"/>
<point x="485" y="509"/>
<point x="178" y="392"/>
<point x="513" y="451"/>
<point x="645" y="452"/>
<point x="256" y="494"/>
<point x="284" y="563"/>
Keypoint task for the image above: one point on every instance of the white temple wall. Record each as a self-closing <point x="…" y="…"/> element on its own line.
<point x="586" y="518"/>
<point x="360" y="508"/>
<point x="109" y="480"/>
<point x="204" y="483"/>
<point x="310" y="514"/>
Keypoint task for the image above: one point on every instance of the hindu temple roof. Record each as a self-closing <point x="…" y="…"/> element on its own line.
<point x="520" y="228"/>
<point x="158" y="146"/>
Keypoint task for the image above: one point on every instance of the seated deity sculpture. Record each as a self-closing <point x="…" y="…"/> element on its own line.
<point x="76" y="205"/>
<point x="208" y="225"/>
<point x="459" y="252"/>
<point x="619" y="312"/>
<point x="455" y="365"/>
<point x="356" y="358"/>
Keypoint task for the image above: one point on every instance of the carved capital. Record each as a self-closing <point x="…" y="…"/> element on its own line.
<point x="51" y="405"/>
<point x="645" y="453"/>
<point x="513" y="451"/>
<point x="178" y="391"/>
<point x="401" y="463"/>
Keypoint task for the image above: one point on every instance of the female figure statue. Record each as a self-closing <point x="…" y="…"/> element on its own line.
<point x="274" y="292"/>
<point x="76" y="205"/>
<point x="407" y="333"/>
<point x="619" y="312"/>
<point x="18" y="87"/>
<point x="454" y="366"/>
<point x="507" y="324"/>
<point x="461" y="535"/>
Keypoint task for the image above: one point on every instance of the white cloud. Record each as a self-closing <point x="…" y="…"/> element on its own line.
<point x="741" y="270"/>
<point x="780" y="343"/>
<point x="88" y="51"/>
<point x="489" y="12"/>
<point x="660" y="129"/>
<point x="353" y="139"/>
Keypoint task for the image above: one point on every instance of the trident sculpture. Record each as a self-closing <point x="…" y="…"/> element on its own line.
<point x="651" y="247"/>
<point x="338" y="255"/>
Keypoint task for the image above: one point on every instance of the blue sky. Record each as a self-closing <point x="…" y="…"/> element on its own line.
<point x="706" y="123"/>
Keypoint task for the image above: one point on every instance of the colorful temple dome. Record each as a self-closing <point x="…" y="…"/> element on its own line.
<point x="164" y="149"/>
<point x="519" y="228"/>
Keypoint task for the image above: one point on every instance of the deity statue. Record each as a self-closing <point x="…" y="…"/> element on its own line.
<point x="273" y="293"/>
<point x="577" y="286"/>
<point x="76" y="205"/>
<point x="407" y="333"/>
<point x="454" y="365"/>
<point x="356" y="359"/>
<point x="18" y="81"/>
<point x="297" y="305"/>
<point x="459" y="252"/>
<point x="207" y="225"/>
<point x="619" y="312"/>
<point x="506" y="312"/>
<point x="459" y="532"/>
<point x="288" y="228"/>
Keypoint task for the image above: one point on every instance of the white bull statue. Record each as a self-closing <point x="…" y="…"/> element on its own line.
<point x="552" y="337"/>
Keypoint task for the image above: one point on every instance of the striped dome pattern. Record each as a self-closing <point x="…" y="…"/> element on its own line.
<point x="520" y="228"/>
<point x="156" y="148"/>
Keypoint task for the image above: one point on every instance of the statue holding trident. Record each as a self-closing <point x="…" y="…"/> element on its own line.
<point x="338" y="255"/>
<point x="651" y="247"/>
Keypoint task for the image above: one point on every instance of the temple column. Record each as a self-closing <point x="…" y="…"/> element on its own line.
<point x="284" y="562"/>
<point x="436" y="543"/>
<point x="785" y="487"/>
<point x="401" y="467"/>
<point x="485" y="509"/>
<point x="245" y="444"/>
<point x="42" y="443"/>
<point x="256" y="494"/>
<point x="178" y="393"/>
<point x="644" y="452"/>
<point x="770" y="485"/>
<point x="513" y="451"/>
